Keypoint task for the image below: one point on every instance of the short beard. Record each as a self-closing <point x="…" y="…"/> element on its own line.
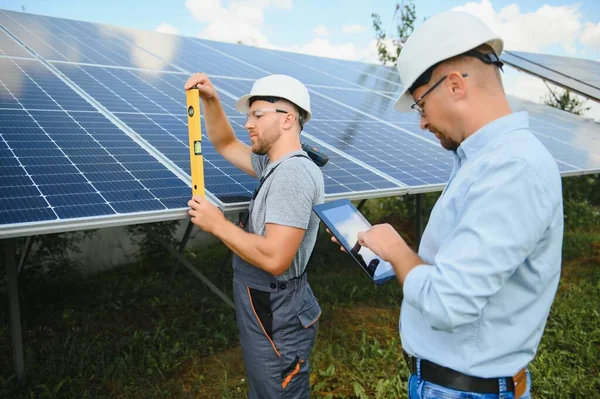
<point x="449" y="144"/>
<point x="263" y="146"/>
<point x="446" y="142"/>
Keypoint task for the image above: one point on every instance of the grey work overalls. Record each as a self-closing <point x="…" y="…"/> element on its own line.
<point x="277" y="323"/>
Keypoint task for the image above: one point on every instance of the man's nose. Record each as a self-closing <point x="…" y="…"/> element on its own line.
<point x="424" y="123"/>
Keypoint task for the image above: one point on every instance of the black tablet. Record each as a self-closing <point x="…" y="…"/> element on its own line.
<point x="345" y="222"/>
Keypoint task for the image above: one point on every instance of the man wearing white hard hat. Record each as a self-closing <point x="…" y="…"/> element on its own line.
<point x="478" y="293"/>
<point x="276" y="311"/>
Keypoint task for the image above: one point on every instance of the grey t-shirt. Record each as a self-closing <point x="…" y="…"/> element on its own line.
<point x="287" y="198"/>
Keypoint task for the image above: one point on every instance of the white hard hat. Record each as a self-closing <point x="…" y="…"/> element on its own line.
<point x="439" y="38"/>
<point x="282" y="86"/>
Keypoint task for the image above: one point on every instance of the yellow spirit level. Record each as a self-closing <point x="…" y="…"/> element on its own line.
<point x="195" y="133"/>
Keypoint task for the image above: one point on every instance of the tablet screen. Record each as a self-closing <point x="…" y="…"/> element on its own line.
<point x="345" y="222"/>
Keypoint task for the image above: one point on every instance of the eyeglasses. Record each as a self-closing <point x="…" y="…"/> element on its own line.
<point x="416" y="107"/>
<point x="257" y="113"/>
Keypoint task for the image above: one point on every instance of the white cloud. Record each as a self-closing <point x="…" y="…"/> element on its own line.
<point x="591" y="35"/>
<point x="237" y="21"/>
<point x="245" y="21"/>
<point x="166" y="28"/>
<point x="528" y="87"/>
<point x="163" y="46"/>
<point x="532" y="31"/>
<point x="321" y="31"/>
<point x="354" y="28"/>
<point x="523" y="85"/>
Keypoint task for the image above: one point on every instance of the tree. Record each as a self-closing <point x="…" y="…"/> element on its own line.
<point x="403" y="30"/>
<point x="566" y="101"/>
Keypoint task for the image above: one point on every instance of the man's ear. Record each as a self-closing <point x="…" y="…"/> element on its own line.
<point x="289" y="120"/>
<point x="457" y="84"/>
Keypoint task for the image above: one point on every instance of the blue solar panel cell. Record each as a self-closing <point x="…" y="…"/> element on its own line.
<point x="83" y="211"/>
<point x="19" y="192"/>
<point x="9" y="47"/>
<point x="13" y="216"/>
<point x="69" y="188"/>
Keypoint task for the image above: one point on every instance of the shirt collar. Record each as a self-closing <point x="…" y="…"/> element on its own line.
<point x="501" y="126"/>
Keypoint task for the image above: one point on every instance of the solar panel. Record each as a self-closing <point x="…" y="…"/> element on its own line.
<point x="152" y="105"/>
<point x="573" y="141"/>
<point x="368" y="102"/>
<point x="197" y="56"/>
<point x="382" y="72"/>
<point x="579" y="75"/>
<point x="407" y="158"/>
<point x="345" y="178"/>
<point x="56" y="39"/>
<point x="99" y="132"/>
<point x="62" y="159"/>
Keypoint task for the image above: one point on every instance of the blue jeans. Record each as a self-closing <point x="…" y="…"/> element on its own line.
<point x="420" y="389"/>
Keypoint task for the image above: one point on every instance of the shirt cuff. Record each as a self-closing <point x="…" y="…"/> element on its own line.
<point x="414" y="283"/>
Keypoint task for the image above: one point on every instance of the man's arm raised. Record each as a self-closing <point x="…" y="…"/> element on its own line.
<point x="219" y="130"/>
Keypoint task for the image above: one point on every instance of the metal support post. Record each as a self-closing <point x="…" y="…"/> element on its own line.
<point x="182" y="245"/>
<point x="15" y="312"/>
<point x="25" y="254"/>
<point x="184" y="261"/>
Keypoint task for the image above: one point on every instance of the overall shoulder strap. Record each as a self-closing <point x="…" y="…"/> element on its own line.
<point x="244" y="216"/>
<point x="265" y="177"/>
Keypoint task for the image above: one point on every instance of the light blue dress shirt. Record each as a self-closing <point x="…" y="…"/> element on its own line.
<point x="492" y="253"/>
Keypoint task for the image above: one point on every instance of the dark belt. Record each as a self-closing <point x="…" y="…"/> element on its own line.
<point x="453" y="379"/>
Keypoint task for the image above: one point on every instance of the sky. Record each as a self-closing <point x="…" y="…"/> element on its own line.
<point x="343" y="29"/>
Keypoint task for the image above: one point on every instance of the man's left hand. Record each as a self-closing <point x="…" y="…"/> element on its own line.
<point x="384" y="241"/>
<point x="204" y="214"/>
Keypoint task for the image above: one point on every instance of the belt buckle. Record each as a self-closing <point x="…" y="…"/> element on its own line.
<point x="520" y="383"/>
<point x="411" y="362"/>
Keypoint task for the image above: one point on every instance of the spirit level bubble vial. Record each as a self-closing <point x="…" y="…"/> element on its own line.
<point x="195" y="133"/>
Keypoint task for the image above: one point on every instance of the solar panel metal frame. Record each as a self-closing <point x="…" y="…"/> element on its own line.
<point x="556" y="77"/>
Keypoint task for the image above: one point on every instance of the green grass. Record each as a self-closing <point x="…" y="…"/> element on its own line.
<point x="124" y="334"/>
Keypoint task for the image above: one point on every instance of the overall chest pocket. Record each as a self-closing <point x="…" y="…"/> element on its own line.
<point x="309" y="310"/>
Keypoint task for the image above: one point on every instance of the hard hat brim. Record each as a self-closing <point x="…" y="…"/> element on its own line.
<point x="241" y="105"/>
<point x="404" y="102"/>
